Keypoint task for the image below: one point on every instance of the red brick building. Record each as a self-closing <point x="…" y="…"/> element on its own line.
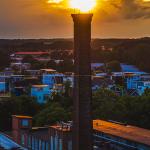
<point x="56" y="137"/>
<point x="106" y="135"/>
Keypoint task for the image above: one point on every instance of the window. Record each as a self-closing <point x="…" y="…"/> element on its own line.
<point x="52" y="146"/>
<point x="40" y="144"/>
<point x="70" y="145"/>
<point x="43" y="145"/>
<point x="56" y="142"/>
<point x="22" y="139"/>
<point x="40" y="97"/>
<point x="47" y="146"/>
<point x="29" y="141"/>
<point x="32" y="143"/>
<point x="25" y="123"/>
<point x="60" y="144"/>
<point x="36" y="144"/>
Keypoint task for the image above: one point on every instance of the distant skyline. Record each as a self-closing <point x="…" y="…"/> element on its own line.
<point x="39" y="19"/>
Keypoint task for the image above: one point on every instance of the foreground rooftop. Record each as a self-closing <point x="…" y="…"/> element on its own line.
<point x="128" y="132"/>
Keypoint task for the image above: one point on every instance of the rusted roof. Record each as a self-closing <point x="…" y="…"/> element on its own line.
<point x="128" y="132"/>
<point x="22" y="117"/>
<point x="31" y="53"/>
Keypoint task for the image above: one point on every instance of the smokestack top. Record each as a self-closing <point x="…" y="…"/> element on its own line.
<point x="83" y="17"/>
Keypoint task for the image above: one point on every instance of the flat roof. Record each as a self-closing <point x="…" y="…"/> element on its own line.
<point x="17" y="75"/>
<point x="31" y="78"/>
<point x="39" y="86"/>
<point x="31" y="53"/>
<point x="19" y="87"/>
<point x="128" y="132"/>
<point x="59" y="128"/>
<point x="48" y="70"/>
<point x="22" y="117"/>
<point x="59" y="84"/>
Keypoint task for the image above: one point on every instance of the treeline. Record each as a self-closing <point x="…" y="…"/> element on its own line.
<point x="35" y="44"/>
<point x="126" y="109"/>
<point x="106" y="105"/>
<point x="131" y="51"/>
<point x="135" y="51"/>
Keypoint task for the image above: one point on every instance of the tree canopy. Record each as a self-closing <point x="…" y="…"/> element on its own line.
<point x="106" y="105"/>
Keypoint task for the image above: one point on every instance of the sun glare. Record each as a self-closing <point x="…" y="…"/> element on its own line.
<point x="83" y="5"/>
<point x="54" y="1"/>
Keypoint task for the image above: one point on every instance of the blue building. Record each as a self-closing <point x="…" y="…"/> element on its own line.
<point x="142" y="86"/>
<point x="132" y="81"/>
<point x="69" y="77"/>
<point x="138" y="82"/>
<point x="51" y="79"/>
<point x="41" y="93"/>
<point x="2" y="86"/>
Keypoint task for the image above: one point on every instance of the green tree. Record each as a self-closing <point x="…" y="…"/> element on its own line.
<point x="51" y="114"/>
<point x="23" y="105"/>
<point x="52" y="64"/>
<point x="65" y="66"/>
<point x="113" y="66"/>
<point x="4" y="59"/>
<point x="126" y="109"/>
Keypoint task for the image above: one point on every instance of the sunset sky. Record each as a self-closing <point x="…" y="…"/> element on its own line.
<point x="43" y="19"/>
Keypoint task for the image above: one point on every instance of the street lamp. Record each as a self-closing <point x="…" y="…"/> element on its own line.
<point x="82" y="118"/>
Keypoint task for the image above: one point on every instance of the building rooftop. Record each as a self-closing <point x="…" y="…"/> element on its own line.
<point x="59" y="128"/>
<point x="17" y="75"/>
<point x="19" y="87"/>
<point x="48" y="70"/>
<point x="116" y="129"/>
<point x="39" y="86"/>
<point x="59" y="85"/>
<point x="22" y="117"/>
<point x="128" y="132"/>
<point x="31" y="53"/>
<point x="62" y="126"/>
<point x="69" y="73"/>
<point x="129" y="74"/>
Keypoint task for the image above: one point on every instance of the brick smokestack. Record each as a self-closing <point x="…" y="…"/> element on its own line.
<point x="82" y="120"/>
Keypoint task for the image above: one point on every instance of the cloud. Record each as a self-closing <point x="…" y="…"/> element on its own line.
<point x="132" y="9"/>
<point x="109" y="10"/>
<point x="37" y="18"/>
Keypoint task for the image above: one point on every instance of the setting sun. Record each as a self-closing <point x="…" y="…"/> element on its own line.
<point x="83" y="5"/>
<point x="54" y="1"/>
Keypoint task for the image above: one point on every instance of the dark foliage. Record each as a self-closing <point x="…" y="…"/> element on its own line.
<point x="22" y="105"/>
